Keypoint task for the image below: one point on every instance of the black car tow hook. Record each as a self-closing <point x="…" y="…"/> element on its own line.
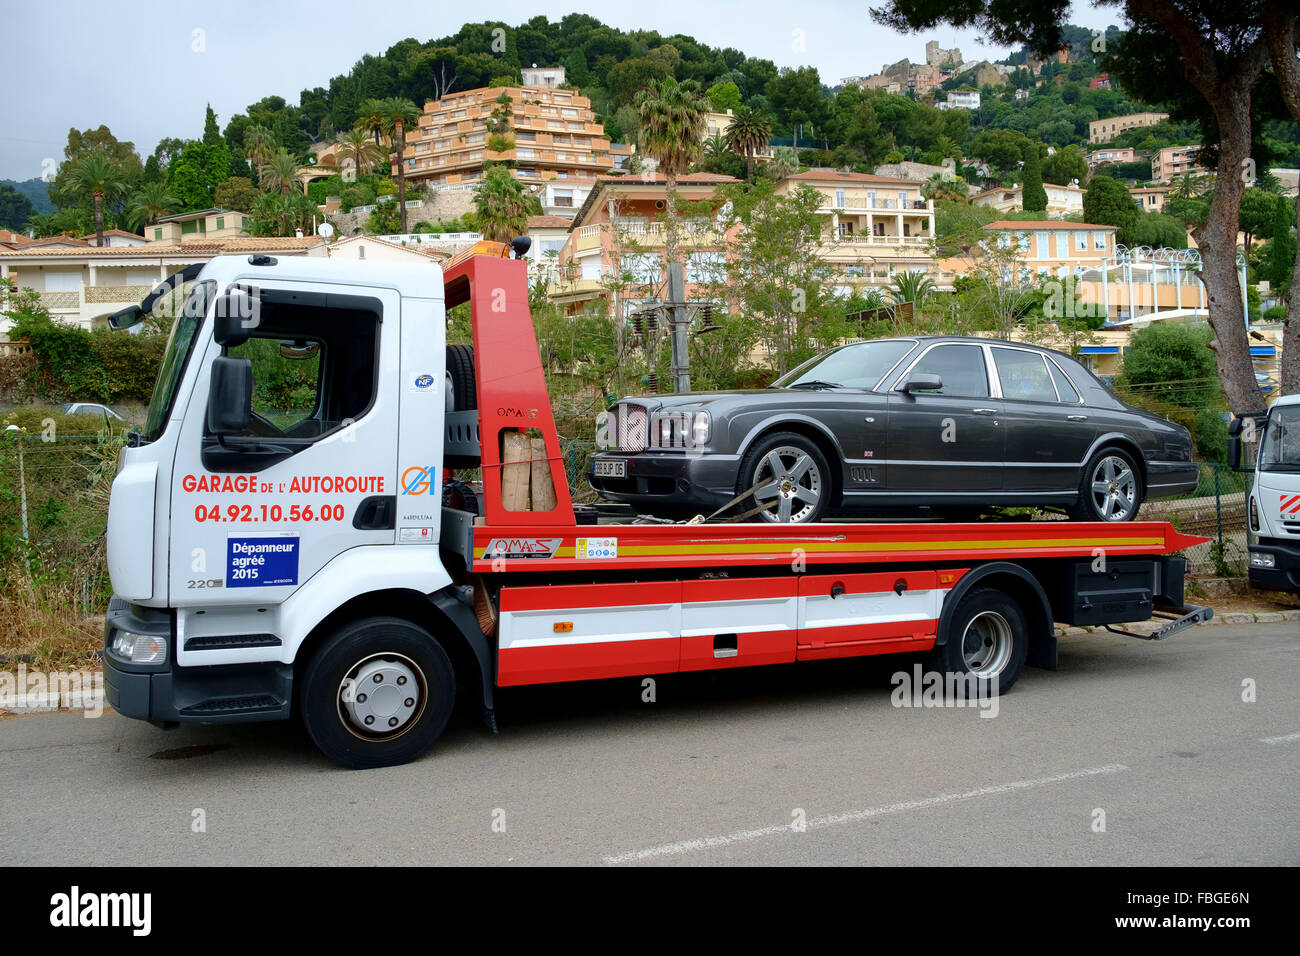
<point x="837" y="589"/>
<point x="900" y="586"/>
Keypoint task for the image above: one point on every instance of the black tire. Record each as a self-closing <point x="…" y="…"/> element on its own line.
<point x="988" y="637"/>
<point x="802" y="488"/>
<point x="334" y="701"/>
<point x="460" y="378"/>
<point x="1113" y="467"/>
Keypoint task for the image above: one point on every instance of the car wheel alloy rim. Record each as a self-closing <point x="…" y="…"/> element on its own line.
<point x="381" y="696"/>
<point x="986" y="644"/>
<point x="1114" y="489"/>
<point x="790" y="484"/>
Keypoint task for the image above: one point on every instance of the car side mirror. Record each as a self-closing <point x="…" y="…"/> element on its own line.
<point x="230" y="395"/>
<point x="238" y="312"/>
<point x="921" y="382"/>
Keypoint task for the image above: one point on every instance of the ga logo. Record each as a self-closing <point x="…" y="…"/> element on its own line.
<point x="423" y="381"/>
<point x="418" y="480"/>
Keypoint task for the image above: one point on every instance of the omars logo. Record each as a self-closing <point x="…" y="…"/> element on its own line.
<point x="418" y="480"/>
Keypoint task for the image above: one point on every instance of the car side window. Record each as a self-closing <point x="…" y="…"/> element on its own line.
<point x="1023" y="376"/>
<point x="1069" y="394"/>
<point x="960" y="367"/>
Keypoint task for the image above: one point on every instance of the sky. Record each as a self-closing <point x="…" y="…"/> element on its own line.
<point x="147" y="68"/>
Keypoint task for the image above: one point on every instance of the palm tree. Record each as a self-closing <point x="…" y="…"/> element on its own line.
<point x="372" y="119"/>
<point x="279" y="172"/>
<point x="502" y="205"/>
<point x="398" y="114"/>
<point x="714" y="146"/>
<point x="149" y="203"/>
<point x="259" y="145"/>
<point x="914" y="287"/>
<point x="356" y="146"/>
<point x="748" y="135"/>
<point x="939" y="188"/>
<point x="785" y="162"/>
<point x="97" y="174"/>
<point x="672" y="119"/>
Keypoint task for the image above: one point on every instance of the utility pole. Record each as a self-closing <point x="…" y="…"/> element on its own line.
<point x="677" y="323"/>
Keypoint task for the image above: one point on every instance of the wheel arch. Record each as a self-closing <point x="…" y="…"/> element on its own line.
<point x="1125" y="443"/>
<point x="441" y="613"/>
<point x="1022" y="587"/>
<point x="815" y="432"/>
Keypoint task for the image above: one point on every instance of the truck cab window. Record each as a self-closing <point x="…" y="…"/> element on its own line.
<point x="286" y="386"/>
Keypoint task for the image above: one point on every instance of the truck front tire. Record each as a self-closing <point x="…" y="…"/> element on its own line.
<point x="377" y="693"/>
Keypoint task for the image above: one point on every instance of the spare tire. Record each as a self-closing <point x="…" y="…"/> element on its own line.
<point x="460" y="378"/>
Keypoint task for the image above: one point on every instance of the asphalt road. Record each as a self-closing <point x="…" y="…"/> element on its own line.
<point x="719" y="770"/>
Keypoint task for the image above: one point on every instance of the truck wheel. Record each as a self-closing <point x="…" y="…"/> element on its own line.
<point x="377" y="693"/>
<point x="460" y="378"/>
<point x="988" y="638"/>
<point x="794" y="475"/>
<point x="1111" y="488"/>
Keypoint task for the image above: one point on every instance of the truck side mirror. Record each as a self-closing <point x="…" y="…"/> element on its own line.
<point x="1234" y="449"/>
<point x="230" y="395"/>
<point x="237" y="313"/>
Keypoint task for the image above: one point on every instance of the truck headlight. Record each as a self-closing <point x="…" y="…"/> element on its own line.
<point x="140" y="648"/>
<point x="1262" y="559"/>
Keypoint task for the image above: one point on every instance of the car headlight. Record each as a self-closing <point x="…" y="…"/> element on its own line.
<point x="140" y="648"/>
<point x="700" y="430"/>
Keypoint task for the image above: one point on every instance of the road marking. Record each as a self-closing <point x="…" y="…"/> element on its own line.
<point x="855" y="816"/>
<point x="1284" y="739"/>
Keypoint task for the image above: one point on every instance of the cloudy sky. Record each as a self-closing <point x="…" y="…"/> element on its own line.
<point x="146" y="68"/>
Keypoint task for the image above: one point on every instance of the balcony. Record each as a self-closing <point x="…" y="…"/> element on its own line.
<point x="912" y="206"/>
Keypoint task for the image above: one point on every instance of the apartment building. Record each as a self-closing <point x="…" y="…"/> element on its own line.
<point x="1150" y="198"/>
<point x="543" y="75"/>
<point x="1062" y="201"/>
<point x="876" y="226"/>
<point x="958" y="100"/>
<point x="620" y="231"/>
<point x="1174" y="161"/>
<point x="1104" y="130"/>
<point x="189" y="226"/>
<point x="551" y="135"/>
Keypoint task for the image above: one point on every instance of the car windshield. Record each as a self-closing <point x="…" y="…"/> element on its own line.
<point x="180" y="342"/>
<point x="1280" y="448"/>
<point x="852" y="366"/>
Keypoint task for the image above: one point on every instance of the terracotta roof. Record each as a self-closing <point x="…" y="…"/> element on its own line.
<point x="1044" y="224"/>
<point x="549" y="222"/>
<point x="823" y="174"/>
<point x="64" y="241"/>
<point x="114" y="232"/>
<point x="431" y="253"/>
<point x="655" y="179"/>
<point x="209" y="247"/>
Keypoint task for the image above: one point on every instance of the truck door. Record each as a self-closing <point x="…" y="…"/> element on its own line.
<point x="255" y="515"/>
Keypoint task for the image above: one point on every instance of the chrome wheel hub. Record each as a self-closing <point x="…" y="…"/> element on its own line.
<point x="790" y="485"/>
<point x="986" y="644"/>
<point x="1114" y="489"/>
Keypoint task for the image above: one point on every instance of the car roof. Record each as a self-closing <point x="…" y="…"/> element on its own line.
<point x="962" y="339"/>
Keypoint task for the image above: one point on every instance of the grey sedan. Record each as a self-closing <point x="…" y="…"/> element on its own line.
<point x="956" y="424"/>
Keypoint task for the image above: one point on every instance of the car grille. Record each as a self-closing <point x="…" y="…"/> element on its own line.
<point x="633" y="428"/>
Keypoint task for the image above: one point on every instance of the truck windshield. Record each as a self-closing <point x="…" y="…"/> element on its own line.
<point x="1280" y="448"/>
<point x="180" y="342"/>
<point x="852" y="366"/>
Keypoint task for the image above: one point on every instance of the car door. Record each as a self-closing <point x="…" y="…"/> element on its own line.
<point x="1047" y="433"/>
<point x="950" y="439"/>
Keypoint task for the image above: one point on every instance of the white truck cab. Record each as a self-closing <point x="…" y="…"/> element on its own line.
<point x="1273" y="509"/>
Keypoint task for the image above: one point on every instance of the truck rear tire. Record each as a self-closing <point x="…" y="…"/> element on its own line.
<point x="988" y="638"/>
<point x="377" y="693"/>
<point x="460" y="378"/>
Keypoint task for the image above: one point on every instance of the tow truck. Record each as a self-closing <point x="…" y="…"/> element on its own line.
<point x="287" y="537"/>
<point x="1273" y="504"/>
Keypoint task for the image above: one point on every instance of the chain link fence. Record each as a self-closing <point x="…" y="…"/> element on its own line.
<point x="1215" y="509"/>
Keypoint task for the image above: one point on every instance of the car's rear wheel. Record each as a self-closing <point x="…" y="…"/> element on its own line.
<point x="1111" y="489"/>
<point x="790" y="478"/>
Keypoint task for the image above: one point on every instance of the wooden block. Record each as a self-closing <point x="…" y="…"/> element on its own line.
<point x="516" y="451"/>
<point x="543" y="489"/>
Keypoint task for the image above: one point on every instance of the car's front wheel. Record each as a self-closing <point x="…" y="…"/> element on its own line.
<point x="1111" y="489"/>
<point x="790" y="478"/>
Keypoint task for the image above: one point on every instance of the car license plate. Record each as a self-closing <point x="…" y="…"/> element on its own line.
<point x="611" y="468"/>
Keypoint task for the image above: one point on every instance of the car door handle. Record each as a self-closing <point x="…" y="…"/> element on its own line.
<point x="985" y="411"/>
<point x="1077" y="418"/>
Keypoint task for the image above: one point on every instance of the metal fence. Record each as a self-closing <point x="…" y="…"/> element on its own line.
<point x="1216" y="509"/>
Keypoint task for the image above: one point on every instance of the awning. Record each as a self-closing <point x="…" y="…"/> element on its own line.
<point x="1099" y="350"/>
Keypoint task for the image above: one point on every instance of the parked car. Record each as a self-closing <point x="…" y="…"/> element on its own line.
<point x="91" y="408"/>
<point x="953" y="423"/>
